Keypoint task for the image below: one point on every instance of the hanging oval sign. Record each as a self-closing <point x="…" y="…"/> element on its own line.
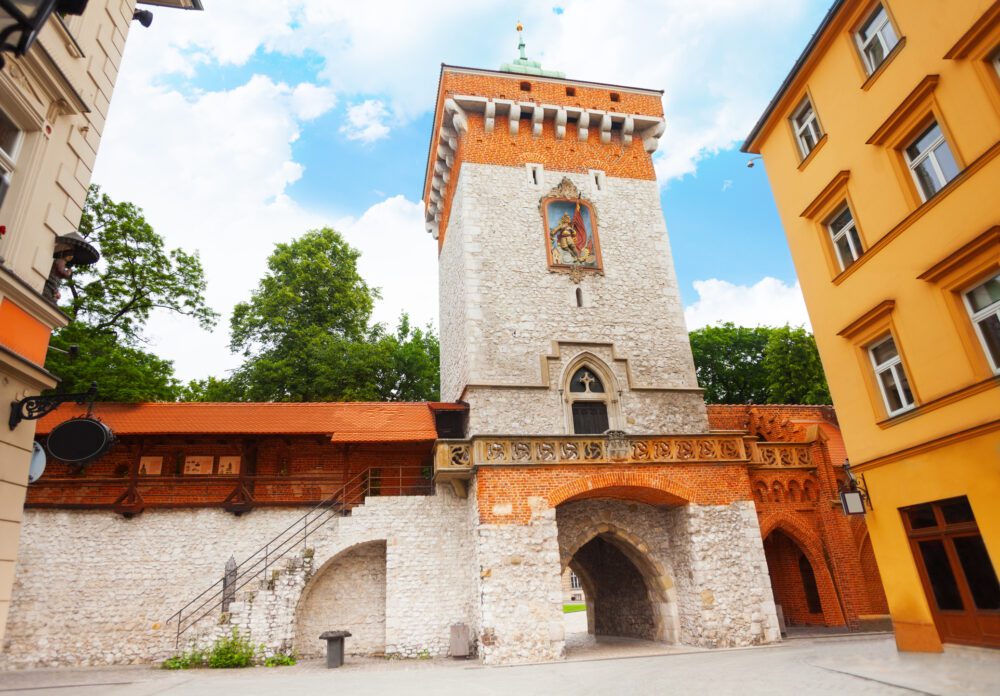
<point x="79" y="440"/>
<point x="37" y="467"/>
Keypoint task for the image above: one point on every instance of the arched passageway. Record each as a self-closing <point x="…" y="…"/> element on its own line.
<point x="618" y="598"/>
<point x="794" y="581"/>
<point x="346" y="593"/>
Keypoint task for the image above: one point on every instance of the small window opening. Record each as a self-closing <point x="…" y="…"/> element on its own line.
<point x="579" y="297"/>
<point x="615" y="97"/>
<point x="525" y="86"/>
<point x="571" y="91"/>
<point x="534" y="176"/>
<point x="597" y="181"/>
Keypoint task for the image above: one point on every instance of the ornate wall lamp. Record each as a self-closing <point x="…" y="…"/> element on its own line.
<point x="21" y="20"/>
<point x="854" y="493"/>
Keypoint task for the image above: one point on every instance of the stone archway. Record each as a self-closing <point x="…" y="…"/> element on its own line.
<point x="628" y="588"/>
<point x="347" y="593"/>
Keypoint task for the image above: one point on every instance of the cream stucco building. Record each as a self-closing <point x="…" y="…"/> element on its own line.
<point x="53" y="105"/>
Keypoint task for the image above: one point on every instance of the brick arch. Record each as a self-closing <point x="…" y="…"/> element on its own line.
<point x="639" y="486"/>
<point x="812" y="548"/>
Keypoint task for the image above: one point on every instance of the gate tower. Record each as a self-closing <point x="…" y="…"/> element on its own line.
<point x="560" y="311"/>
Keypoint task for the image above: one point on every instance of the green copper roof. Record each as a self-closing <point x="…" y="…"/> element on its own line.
<point x="523" y="65"/>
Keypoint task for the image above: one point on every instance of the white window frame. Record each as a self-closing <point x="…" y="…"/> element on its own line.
<point x="574" y="581"/>
<point x="8" y="160"/>
<point x="927" y="154"/>
<point x="835" y="236"/>
<point x="811" y="124"/>
<point x="875" y="34"/>
<point x="894" y="365"/>
<point x="980" y="316"/>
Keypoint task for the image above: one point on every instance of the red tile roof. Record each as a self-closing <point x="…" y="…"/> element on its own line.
<point x="343" y="422"/>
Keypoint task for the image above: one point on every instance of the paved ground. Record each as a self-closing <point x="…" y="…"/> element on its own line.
<point x="847" y="665"/>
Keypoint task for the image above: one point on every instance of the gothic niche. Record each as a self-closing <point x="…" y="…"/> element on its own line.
<point x="571" y="237"/>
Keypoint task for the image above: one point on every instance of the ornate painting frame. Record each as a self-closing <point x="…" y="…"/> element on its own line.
<point x="570" y="226"/>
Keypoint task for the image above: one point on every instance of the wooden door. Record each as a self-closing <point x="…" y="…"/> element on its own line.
<point x="958" y="576"/>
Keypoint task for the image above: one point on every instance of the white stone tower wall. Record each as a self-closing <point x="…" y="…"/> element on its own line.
<point x="502" y="308"/>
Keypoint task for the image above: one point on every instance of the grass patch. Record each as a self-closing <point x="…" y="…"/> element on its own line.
<point x="572" y="608"/>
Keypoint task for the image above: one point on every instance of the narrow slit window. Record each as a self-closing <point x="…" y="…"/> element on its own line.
<point x="891" y="377"/>
<point x="579" y="297"/>
<point x="597" y="181"/>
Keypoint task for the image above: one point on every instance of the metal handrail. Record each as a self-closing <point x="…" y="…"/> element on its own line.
<point x="271" y="552"/>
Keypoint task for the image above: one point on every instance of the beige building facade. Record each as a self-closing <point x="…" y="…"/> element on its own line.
<point x="53" y="105"/>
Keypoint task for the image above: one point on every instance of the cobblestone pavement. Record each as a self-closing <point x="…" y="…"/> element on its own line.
<point x="843" y="665"/>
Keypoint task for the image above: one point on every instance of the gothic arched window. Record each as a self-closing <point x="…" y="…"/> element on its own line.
<point x="588" y="402"/>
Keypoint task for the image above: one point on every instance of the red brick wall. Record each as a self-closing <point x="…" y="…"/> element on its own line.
<point x="296" y="470"/>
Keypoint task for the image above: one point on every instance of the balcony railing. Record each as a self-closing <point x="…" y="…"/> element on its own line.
<point x="459" y="457"/>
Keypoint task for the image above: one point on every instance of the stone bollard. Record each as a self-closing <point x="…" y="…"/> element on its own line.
<point x="334" y="647"/>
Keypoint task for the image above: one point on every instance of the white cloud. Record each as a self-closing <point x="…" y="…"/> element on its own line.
<point x="768" y="302"/>
<point x="717" y="60"/>
<point x="727" y="184"/>
<point x="366" y="121"/>
<point x="312" y="101"/>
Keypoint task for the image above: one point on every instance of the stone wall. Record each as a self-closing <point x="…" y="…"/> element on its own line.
<point x="348" y="593"/>
<point x="521" y="617"/>
<point x="93" y="588"/>
<point x="502" y="308"/>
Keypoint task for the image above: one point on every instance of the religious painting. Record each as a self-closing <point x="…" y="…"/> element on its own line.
<point x="198" y="465"/>
<point x="229" y="465"/>
<point x="150" y="466"/>
<point x="571" y="234"/>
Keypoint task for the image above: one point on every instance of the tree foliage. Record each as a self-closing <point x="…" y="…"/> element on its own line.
<point x="305" y="335"/>
<point x="740" y="365"/>
<point x="110" y="303"/>
<point x="136" y="274"/>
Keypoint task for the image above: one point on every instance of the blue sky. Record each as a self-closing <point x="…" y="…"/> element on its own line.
<point x="264" y="118"/>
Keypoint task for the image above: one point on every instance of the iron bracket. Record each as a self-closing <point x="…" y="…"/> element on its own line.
<point x="34" y="407"/>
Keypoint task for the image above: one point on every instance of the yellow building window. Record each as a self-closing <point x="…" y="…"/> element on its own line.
<point x="930" y="161"/>
<point x="890" y="376"/>
<point x="845" y="237"/>
<point x="876" y="38"/>
<point x="983" y="303"/>
<point x="806" y="127"/>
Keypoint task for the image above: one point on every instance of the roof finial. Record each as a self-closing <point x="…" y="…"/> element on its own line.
<point x="523" y="65"/>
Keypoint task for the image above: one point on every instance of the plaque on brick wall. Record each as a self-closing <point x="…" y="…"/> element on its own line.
<point x="198" y="465"/>
<point x="150" y="466"/>
<point x="229" y="465"/>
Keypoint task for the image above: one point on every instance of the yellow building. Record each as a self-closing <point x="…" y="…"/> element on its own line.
<point x="882" y="151"/>
<point x="53" y="105"/>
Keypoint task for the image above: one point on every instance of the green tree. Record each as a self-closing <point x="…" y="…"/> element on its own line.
<point x="739" y="365"/>
<point x="122" y="372"/>
<point x="729" y="360"/>
<point x="305" y="334"/>
<point x="110" y="302"/>
<point x="136" y="274"/>
<point x="794" y="371"/>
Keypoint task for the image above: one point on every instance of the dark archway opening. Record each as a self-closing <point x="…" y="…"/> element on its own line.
<point x="793" y="581"/>
<point x="617" y="593"/>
